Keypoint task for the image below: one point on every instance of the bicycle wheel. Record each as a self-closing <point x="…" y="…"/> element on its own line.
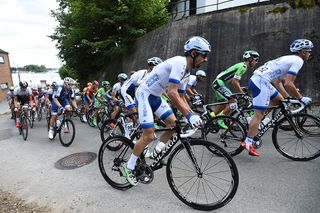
<point x="229" y="138"/>
<point x="82" y="114"/>
<point x="31" y="119"/>
<point x="90" y="117"/>
<point x="110" y="128"/>
<point x="300" y="148"/>
<point x="110" y="161"/>
<point x="213" y="186"/>
<point x="24" y="128"/>
<point x="67" y="132"/>
<point x="101" y="118"/>
<point x="39" y="114"/>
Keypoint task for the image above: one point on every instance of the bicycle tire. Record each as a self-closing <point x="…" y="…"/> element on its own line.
<point x="107" y="131"/>
<point x="298" y="149"/>
<point x="109" y="162"/>
<point x="90" y="117"/>
<point x="222" y="169"/>
<point x="101" y="118"/>
<point x="229" y="139"/>
<point x="67" y="123"/>
<point x="24" y="128"/>
<point x="39" y="114"/>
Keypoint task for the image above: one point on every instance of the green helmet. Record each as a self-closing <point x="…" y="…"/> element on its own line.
<point x="250" y="54"/>
<point x="105" y="83"/>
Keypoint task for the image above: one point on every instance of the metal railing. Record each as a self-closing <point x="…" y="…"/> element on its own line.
<point x="183" y="8"/>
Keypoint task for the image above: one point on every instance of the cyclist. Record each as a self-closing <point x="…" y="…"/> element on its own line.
<point x="49" y="94"/>
<point x="282" y="73"/>
<point x="22" y="96"/>
<point x="41" y="96"/>
<point x="10" y="99"/>
<point x="233" y="74"/>
<point x="60" y="102"/>
<point x="101" y="97"/>
<point x="85" y="100"/>
<point x="193" y="80"/>
<point x="129" y="86"/>
<point x="171" y="76"/>
<point x="116" y="93"/>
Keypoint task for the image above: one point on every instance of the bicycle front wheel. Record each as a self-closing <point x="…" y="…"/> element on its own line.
<point x="210" y="188"/>
<point x="302" y="147"/>
<point x="24" y="128"/>
<point x="67" y="132"/>
<point x="227" y="132"/>
<point x="110" y="161"/>
<point x="110" y="128"/>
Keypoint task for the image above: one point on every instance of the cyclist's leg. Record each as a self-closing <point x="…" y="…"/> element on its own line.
<point x="54" y="115"/>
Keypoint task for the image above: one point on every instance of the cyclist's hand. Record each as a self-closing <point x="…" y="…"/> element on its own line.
<point x="306" y="100"/>
<point x="194" y="120"/>
<point x="60" y="110"/>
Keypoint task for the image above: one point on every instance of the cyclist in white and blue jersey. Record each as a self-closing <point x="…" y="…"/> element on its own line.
<point x="171" y="76"/>
<point x="282" y="73"/>
<point x="61" y="101"/>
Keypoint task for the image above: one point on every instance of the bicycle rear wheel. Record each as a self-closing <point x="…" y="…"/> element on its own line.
<point x="24" y="128"/>
<point x="211" y="188"/>
<point x="39" y="113"/>
<point x="229" y="138"/>
<point x="67" y="132"/>
<point x="110" y="161"/>
<point x="110" y="128"/>
<point x="299" y="148"/>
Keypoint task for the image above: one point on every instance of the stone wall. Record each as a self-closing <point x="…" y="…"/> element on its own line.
<point x="5" y="75"/>
<point x="230" y="33"/>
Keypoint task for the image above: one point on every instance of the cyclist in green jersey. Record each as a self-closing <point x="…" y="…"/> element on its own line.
<point x="233" y="74"/>
<point x="101" y="97"/>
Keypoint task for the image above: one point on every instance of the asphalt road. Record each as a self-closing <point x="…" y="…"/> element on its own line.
<point x="270" y="183"/>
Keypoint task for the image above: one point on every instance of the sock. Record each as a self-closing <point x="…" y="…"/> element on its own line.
<point x="132" y="162"/>
<point x="51" y="128"/>
<point x="248" y="141"/>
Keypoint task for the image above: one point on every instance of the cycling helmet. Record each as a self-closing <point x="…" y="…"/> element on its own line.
<point x="300" y="44"/>
<point x="95" y="83"/>
<point x="201" y="73"/>
<point x="11" y="88"/>
<point x="122" y="77"/>
<point x="154" y="61"/>
<point x="250" y="54"/>
<point x="34" y="88"/>
<point x="23" y="84"/>
<point x="197" y="43"/>
<point x="68" y="80"/>
<point x="54" y="84"/>
<point x="89" y="84"/>
<point x="105" y="83"/>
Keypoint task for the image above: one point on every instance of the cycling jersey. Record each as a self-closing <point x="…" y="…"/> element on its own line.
<point x="236" y="71"/>
<point x="260" y="83"/>
<point x="50" y="92"/>
<point x="10" y="95"/>
<point x="275" y="69"/>
<point x="173" y="71"/>
<point x="22" y="94"/>
<point x="116" y="89"/>
<point x="63" y="96"/>
<point x="192" y="81"/>
<point x="91" y="91"/>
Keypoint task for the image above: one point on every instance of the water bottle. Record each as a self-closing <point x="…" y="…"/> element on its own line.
<point x="157" y="150"/>
<point x="58" y="123"/>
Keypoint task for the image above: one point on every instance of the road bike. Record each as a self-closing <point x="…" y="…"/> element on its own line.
<point x="200" y="173"/>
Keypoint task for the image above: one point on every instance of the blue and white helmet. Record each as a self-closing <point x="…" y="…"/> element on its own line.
<point x="197" y="43"/>
<point x="154" y="61"/>
<point x="300" y="44"/>
<point x="201" y="73"/>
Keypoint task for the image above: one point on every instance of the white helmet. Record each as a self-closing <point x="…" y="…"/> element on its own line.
<point x="197" y="43"/>
<point x="300" y="44"/>
<point x="201" y="73"/>
<point x="154" y="61"/>
<point x="122" y="77"/>
<point x="250" y="54"/>
<point x="11" y="88"/>
<point x="68" y="80"/>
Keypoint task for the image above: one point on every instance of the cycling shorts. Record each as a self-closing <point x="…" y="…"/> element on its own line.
<point x="54" y="108"/>
<point x="147" y="105"/>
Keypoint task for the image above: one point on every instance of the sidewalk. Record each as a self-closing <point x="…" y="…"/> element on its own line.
<point x="4" y="108"/>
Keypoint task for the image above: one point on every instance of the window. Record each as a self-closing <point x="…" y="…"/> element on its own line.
<point x="1" y="60"/>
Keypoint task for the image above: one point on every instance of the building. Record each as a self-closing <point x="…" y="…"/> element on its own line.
<point x="5" y="75"/>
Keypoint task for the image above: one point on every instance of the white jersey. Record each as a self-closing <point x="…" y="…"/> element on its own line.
<point x="135" y="80"/>
<point x="192" y="81"/>
<point x="116" y="89"/>
<point x="19" y="92"/>
<point x="278" y="68"/>
<point x="172" y="70"/>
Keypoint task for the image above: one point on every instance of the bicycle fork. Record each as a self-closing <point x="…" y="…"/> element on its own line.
<point x="185" y="143"/>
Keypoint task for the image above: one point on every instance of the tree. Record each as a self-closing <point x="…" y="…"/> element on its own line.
<point x="66" y="71"/>
<point x="35" y="68"/>
<point x="91" y="33"/>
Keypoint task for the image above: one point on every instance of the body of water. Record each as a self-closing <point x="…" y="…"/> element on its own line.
<point x="35" y="79"/>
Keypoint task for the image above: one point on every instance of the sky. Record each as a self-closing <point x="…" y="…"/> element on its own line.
<point x="24" y="29"/>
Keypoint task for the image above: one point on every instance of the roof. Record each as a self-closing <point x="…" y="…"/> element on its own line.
<point x="2" y="51"/>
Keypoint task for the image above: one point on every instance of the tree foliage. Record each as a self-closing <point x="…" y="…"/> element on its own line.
<point x="66" y="71"/>
<point x="35" y="68"/>
<point x="92" y="33"/>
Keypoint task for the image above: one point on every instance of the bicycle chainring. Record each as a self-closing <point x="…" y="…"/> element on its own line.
<point x="144" y="173"/>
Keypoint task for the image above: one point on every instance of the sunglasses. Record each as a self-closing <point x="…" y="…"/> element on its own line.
<point x="308" y="51"/>
<point x="204" y="55"/>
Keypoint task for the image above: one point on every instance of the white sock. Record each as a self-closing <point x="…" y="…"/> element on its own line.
<point x="132" y="162"/>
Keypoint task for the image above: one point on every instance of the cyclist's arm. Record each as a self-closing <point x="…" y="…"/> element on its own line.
<point x="55" y="100"/>
<point x="290" y="87"/>
<point x="31" y="102"/>
<point x="15" y="101"/>
<point x="184" y="98"/>
<point x="191" y="90"/>
<point x="236" y="85"/>
<point x="174" y="96"/>
<point x="74" y="103"/>
<point x="279" y="85"/>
